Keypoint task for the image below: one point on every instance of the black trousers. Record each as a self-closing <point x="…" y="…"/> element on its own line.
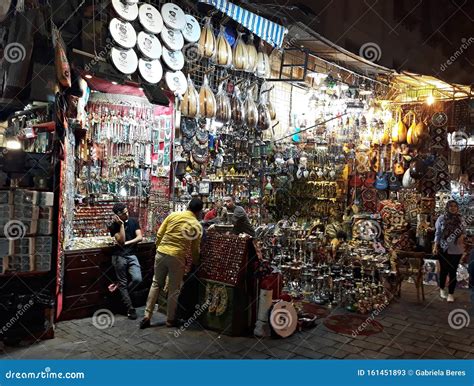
<point x="448" y="267"/>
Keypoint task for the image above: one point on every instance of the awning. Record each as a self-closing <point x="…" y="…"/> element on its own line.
<point x="269" y="31"/>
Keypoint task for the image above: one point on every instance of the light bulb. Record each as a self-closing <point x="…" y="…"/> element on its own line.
<point x="430" y="100"/>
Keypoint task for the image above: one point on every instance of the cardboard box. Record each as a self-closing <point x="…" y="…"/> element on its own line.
<point x="45" y="227"/>
<point x="4" y="197"/>
<point x="30" y="212"/>
<point x="45" y="213"/>
<point x="25" y="196"/>
<point x="23" y="246"/>
<point x="46" y="199"/>
<point x="42" y="262"/>
<point x="43" y="245"/>
<point x="20" y="263"/>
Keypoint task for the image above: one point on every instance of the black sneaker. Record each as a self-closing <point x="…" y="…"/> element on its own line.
<point x="144" y="323"/>
<point x="132" y="314"/>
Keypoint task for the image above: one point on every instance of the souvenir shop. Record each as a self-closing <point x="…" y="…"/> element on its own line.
<point x="342" y="173"/>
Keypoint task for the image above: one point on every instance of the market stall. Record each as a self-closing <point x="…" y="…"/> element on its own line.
<point x="340" y="173"/>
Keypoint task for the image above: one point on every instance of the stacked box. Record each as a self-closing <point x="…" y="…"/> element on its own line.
<point x="4" y="247"/>
<point x="45" y="227"/>
<point x="5" y="211"/>
<point x="23" y="246"/>
<point x="45" y="213"/>
<point x="42" y="262"/>
<point x="30" y="212"/>
<point x="24" y="196"/>
<point x="43" y="245"/>
<point x="19" y="263"/>
<point x="4" y="197"/>
<point x="46" y="199"/>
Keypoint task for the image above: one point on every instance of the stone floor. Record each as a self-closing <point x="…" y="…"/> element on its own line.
<point x="411" y="331"/>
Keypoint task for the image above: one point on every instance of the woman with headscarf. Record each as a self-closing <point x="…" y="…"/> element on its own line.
<point x="449" y="246"/>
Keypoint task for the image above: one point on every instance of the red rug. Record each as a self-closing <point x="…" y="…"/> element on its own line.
<point x="315" y="309"/>
<point x="353" y="324"/>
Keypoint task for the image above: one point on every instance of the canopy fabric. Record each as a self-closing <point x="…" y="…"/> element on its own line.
<point x="269" y="31"/>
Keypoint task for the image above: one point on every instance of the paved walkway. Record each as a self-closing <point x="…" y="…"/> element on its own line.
<point x="411" y="331"/>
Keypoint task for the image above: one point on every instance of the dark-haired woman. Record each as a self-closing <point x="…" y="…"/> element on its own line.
<point x="449" y="246"/>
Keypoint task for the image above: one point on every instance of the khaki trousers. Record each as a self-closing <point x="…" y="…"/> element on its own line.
<point x="174" y="267"/>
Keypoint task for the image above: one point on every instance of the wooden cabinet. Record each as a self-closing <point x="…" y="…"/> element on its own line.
<point x="89" y="272"/>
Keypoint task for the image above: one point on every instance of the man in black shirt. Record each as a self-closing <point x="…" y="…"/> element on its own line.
<point x="127" y="234"/>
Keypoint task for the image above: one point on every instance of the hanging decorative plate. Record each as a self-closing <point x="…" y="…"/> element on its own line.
<point x="123" y="33"/>
<point x="176" y="82"/>
<point x="172" y="39"/>
<point x="150" y="70"/>
<point x="125" y="61"/>
<point x="200" y="154"/>
<point x="187" y="144"/>
<point x="188" y="127"/>
<point x="192" y="30"/>
<point x="149" y="45"/>
<point x="126" y="11"/>
<point x="202" y="136"/>
<point x="174" y="60"/>
<point x="173" y="16"/>
<point x="150" y="18"/>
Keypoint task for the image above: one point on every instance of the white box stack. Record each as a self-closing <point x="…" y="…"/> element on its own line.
<point x="25" y="197"/>
<point x="45" y="213"/>
<point x="30" y="212"/>
<point x="20" y="263"/>
<point x="4" y="197"/>
<point x="4" y="252"/>
<point x="46" y="199"/>
<point x="44" y="245"/>
<point x="23" y="246"/>
<point x="42" y="263"/>
<point x="45" y="227"/>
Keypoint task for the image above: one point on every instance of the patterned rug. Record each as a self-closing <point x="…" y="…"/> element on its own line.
<point x="315" y="309"/>
<point x="353" y="324"/>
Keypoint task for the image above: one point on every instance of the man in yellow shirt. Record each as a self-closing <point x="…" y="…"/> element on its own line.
<point x="179" y="233"/>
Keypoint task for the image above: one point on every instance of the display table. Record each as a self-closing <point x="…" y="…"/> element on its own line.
<point x="89" y="272"/>
<point x="227" y="284"/>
